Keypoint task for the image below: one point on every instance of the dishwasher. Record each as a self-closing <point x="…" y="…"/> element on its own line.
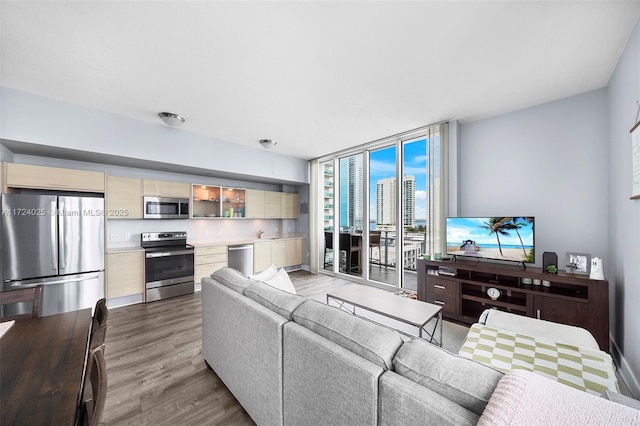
<point x="241" y="258"/>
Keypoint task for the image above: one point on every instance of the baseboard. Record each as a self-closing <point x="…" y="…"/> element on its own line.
<point x="624" y="369"/>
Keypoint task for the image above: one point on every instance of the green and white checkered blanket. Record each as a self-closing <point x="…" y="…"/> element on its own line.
<point x="582" y="368"/>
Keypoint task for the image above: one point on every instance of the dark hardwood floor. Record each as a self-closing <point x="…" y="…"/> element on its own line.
<point x="156" y="374"/>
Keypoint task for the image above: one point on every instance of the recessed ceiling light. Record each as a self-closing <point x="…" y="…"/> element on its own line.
<point x="267" y="143"/>
<point x="171" y="119"/>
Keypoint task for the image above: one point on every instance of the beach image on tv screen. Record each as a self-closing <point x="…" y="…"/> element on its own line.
<point x="502" y="238"/>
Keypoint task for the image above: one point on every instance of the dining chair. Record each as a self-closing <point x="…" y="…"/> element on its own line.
<point x="30" y="294"/>
<point x="374" y="241"/>
<point x="99" y="324"/>
<point x="328" y="247"/>
<point x="352" y="245"/>
<point x="94" y="393"/>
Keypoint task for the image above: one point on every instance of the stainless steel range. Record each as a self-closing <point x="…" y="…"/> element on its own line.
<point x="168" y="265"/>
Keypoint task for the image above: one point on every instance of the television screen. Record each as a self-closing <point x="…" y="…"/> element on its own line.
<point x="501" y="238"/>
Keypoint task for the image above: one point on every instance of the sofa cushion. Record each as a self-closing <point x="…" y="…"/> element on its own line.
<point x="233" y="279"/>
<point x="465" y="382"/>
<point x="279" y="301"/>
<point x="371" y="341"/>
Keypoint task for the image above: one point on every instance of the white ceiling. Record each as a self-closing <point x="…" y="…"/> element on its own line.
<point x="316" y="76"/>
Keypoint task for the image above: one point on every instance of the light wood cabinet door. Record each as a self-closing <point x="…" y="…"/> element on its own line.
<point x="124" y="198"/>
<point x="254" y="203"/>
<point x="294" y="251"/>
<point x="272" y="205"/>
<point x="165" y="188"/>
<point x="261" y="255"/>
<point x="41" y="177"/>
<point x="279" y="253"/>
<point x="289" y="205"/>
<point x="209" y="259"/>
<point x="125" y="274"/>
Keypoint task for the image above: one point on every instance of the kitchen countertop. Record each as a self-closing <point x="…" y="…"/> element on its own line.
<point x="246" y="240"/>
<point x="127" y="246"/>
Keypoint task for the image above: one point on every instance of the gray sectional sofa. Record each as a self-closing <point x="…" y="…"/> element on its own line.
<point x="293" y="361"/>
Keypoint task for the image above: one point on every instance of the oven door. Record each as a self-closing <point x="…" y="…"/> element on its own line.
<point x="167" y="267"/>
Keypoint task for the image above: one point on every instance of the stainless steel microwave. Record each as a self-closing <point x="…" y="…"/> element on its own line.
<point x="166" y="208"/>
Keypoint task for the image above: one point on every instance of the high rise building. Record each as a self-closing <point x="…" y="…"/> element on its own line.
<point x="352" y="193"/>
<point x="386" y="201"/>
<point x="328" y="177"/>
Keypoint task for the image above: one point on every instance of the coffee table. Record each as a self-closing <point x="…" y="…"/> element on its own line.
<point x="385" y="303"/>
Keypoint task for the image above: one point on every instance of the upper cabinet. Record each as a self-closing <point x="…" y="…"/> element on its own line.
<point x="41" y="177"/>
<point x="206" y="201"/>
<point x="124" y="198"/>
<point x="215" y="201"/>
<point x="233" y="202"/>
<point x="289" y="205"/>
<point x="254" y="203"/>
<point x="164" y="188"/>
<point x="272" y="205"/>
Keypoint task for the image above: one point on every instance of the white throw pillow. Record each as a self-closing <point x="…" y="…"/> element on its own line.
<point x="266" y="274"/>
<point x="282" y="281"/>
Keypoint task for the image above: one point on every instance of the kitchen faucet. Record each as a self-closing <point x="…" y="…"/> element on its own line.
<point x="260" y="232"/>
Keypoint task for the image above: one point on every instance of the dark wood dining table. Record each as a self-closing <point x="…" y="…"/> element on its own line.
<point x="41" y="367"/>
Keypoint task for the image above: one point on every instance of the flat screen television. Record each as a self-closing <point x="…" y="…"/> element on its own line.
<point x="498" y="238"/>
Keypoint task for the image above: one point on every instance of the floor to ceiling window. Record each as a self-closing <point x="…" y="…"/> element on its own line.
<point x="382" y="207"/>
<point x="382" y="215"/>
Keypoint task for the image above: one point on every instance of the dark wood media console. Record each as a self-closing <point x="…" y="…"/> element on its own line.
<point x="462" y="293"/>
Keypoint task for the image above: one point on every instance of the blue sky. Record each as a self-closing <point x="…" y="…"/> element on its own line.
<point x="383" y="165"/>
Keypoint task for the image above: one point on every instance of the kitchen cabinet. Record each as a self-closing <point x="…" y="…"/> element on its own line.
<point x="294" y="251"/>
<point x="233" y="202"/>
<point x="206" y="201"/>
<point x="261" y="255"/>
<point x="42" y="177"/>
<point x="124" y="198"/>
<point x="164" y="188"/>
<point x="272" y="205"/>
<point x="209" y="259"/>
<point x="278" y="252"/>
<point x="125" y="273"/>
<point x="254" y="203"/>
<point x="289" y="205"/>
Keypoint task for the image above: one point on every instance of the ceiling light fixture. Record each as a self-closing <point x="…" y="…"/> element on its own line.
<point x="267" y="143"/>
<point x="171" y="119"/>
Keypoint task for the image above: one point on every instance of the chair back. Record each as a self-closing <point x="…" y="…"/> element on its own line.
<point x="328" y="240"/>
<point x="95" y="389"/>
<point x="99" y="324"/>
<point x="30" y="294"/>
<point x="374" y="238"/>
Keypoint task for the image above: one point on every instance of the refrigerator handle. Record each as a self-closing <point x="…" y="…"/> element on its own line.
<point x="54" y="242"/>
<point x="62" y="237"/>
<point x="62" y="281"/>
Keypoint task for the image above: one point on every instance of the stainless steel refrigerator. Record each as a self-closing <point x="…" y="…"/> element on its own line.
<point x="56" y="241"/>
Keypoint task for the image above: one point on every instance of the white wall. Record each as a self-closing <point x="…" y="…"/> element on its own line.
<point x="623" y="226"/>
<point x="547" y="161"/>
<point x="37" y="120"/>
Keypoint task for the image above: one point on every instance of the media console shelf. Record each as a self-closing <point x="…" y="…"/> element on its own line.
<point x="461" y="289"/>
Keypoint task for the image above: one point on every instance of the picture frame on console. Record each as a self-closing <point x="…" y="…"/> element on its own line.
<point x="578" y="263"/>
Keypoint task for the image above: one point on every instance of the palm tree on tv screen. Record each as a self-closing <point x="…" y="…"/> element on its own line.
<point x="497" y="225"/>
<point x="515" y="225"/>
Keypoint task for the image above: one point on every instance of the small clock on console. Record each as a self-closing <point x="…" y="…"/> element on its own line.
<point x="494" y="293"/>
